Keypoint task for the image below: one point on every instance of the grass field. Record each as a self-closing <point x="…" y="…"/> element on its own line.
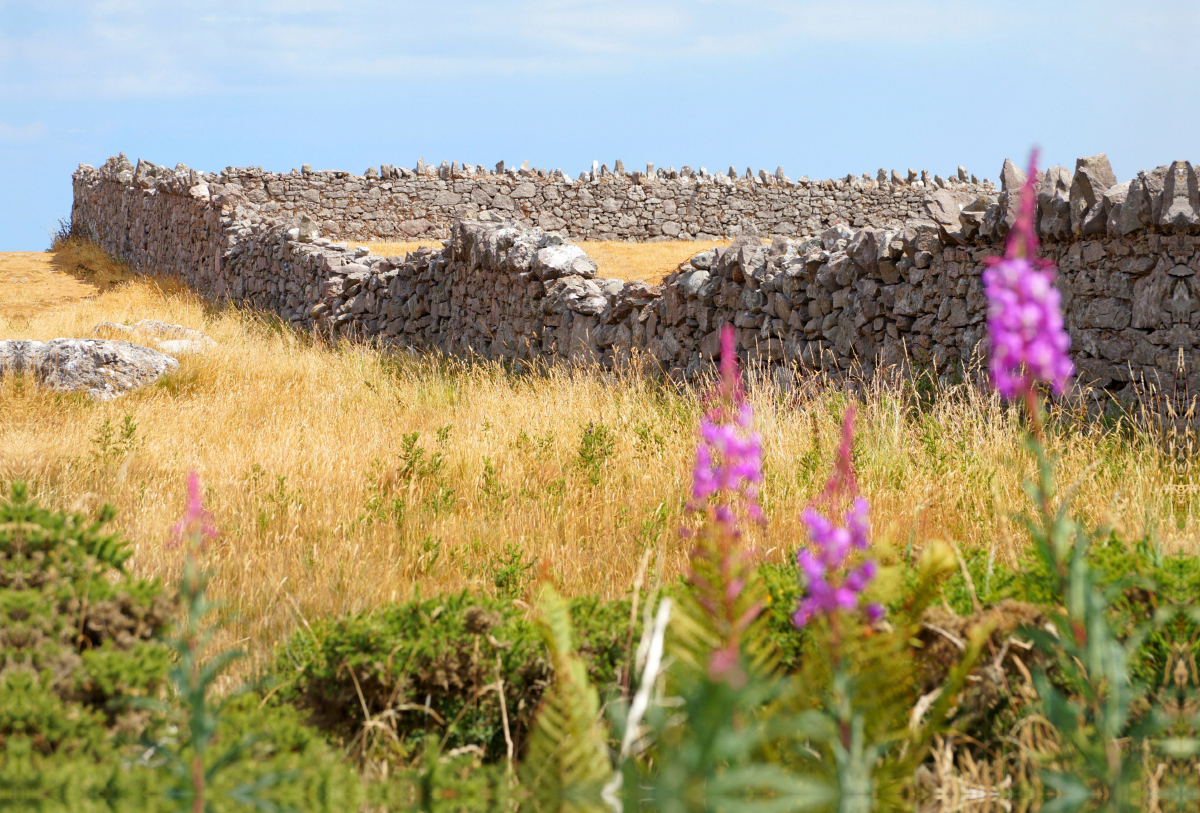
<point x="341" y="477"/>
<point x="34" y="281"/>
<point x="650" y="262"/>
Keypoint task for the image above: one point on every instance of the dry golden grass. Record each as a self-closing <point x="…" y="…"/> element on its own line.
<point x="650" y="262"/>
<point x="326" y="506"/>
<point x="385" y="249"/>
<point x="35" y="281"/>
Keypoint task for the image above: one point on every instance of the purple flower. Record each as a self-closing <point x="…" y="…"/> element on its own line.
<point x="1029" y="342"/>
<point x="842" y="480"/>
<point x="728" y="464"/>
<point x="827" y="590"/>
<point x="725" y="480"/>
<point x="196" y="522"/>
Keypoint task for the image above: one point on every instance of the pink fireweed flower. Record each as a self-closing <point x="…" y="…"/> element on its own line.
<point x="1028" y="340"/>
<point x="196" y="522"/>
<point x="728" y="467"/>
<point x="827" y="589"/>
<point x="829" y="586"/>
<point x="728" y="461"/>
<point x="725" y="480"/>
<point x="842" y="480"/>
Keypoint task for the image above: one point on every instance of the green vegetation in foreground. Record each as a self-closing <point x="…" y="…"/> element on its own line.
<point x="401" y="706"/>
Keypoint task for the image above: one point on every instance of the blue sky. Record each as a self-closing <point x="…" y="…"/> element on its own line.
<point x="821" y="87"/>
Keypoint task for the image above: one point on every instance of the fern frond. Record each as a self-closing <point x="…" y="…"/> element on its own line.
<point x="696" y="632"/>
<point x="566" y="762"/>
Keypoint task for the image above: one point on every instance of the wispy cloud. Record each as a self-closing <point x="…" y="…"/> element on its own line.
<point x="125" y="49"/>
<point x="12" y="133"/>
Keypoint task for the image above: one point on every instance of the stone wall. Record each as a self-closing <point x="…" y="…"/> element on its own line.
<point x="1128" y="257"/>
<point x="400" y="204"/>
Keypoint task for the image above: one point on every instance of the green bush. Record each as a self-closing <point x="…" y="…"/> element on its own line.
<point x="85" y="706"/>
<point x="80" y="639"/>
<point x="430" y="667"/>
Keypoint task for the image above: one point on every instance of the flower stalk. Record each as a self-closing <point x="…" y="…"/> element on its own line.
<point x="725" y="481"/>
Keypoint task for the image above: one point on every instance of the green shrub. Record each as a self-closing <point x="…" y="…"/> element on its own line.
<point x="79" y="637"/>
<point x="85" y="708"/>
<point x="430" y="667"/>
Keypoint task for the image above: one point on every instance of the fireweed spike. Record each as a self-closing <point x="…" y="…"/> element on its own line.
<point x="725" y="480"/>
<point x="1029" y="343"/>
<point x="830" y="586"/>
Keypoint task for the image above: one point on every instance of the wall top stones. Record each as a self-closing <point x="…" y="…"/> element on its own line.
<point x="396" y="204"/>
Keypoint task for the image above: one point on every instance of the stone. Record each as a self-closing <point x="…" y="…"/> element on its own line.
<point x="1107" y="313"/>
<point x="835" y="234"/>
<point x="703" y="260"/>
<point x="1114" y="202"/>
<point x="1012" y="178"/>
<point x="864" y="249"/>
<point x="103" y="369"/>
<point x="1054" y="202"/>
<point x="168" y="338"/>
<point x="945" y="208"/>
<point x="1093" y="176"/>
<point x="1149" y="298"/>
<point x="415" y="228"/>
<point x="579" y="295"/>
<point x="308" y="229"/>
<point x="525" y="190"/>
<point x="564" y="260"/>
<point x="897" y="179"/>
<point x="1180" y="206"/>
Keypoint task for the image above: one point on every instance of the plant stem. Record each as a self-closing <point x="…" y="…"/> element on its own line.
<point x="1034" y="408"/>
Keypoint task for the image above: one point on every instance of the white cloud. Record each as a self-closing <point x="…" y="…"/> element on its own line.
<point x="25" y="133"/>
<point x="130" y="49"/>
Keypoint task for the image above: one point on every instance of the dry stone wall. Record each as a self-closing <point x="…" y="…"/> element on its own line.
<point x="400" y="204"/>
<point x="1128" y="256"/>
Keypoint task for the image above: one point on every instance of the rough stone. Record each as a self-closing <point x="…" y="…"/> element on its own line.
<point x="1093" y="176"/>
<point x="1054" y="202"/>
<point x="563" y="261"/>
<point x="168" y="338"/>
<point x="1180" y="201"/>
<point x="102" y="369"/>
<point x="1012" y="179"/>
<point x="945" y="208"/>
